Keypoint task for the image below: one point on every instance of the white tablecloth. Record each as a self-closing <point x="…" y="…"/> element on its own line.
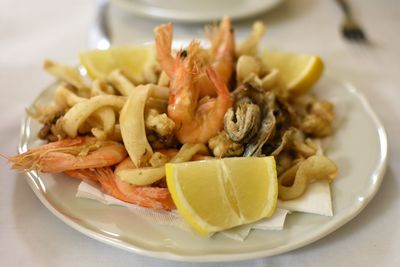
<point x="34" y="30"/>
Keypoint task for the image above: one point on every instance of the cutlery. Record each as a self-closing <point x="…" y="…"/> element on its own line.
<point x="350" y="29"/>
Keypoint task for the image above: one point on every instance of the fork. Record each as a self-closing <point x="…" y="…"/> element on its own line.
<point x="350" y="29"/>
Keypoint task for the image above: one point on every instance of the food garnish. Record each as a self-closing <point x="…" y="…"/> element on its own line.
<point x="298" y="71"/>
<point x="214" y="195"/>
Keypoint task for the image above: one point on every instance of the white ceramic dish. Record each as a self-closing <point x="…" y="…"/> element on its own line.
<point x="196" y="11"/>
<point x="360" y="175"/>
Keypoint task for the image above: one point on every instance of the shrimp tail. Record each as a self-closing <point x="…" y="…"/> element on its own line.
<point x="82" y="174"/>
<point x="106" y="178"/>
<point x="163" y="38"/>
<point x="148" y="197"/>
<point x="225" y="52"/>
<point x="220" y="86"/>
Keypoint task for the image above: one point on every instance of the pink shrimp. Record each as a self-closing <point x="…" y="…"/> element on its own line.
<point x="163" y="38"/>
<point x="83" y="174"/>
<point x="146" y="196"/>
<point x="70" y="154"/>
<point x="221" y="56"/>
<point x="197" y="120"/>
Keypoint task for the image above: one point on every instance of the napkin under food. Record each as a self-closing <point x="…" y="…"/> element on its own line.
<point x="316" y="200"/>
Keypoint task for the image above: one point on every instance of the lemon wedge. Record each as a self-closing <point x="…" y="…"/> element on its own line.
<point x="214" y="195"/>
<point x="131" y="59"/>
<point x="298" y="71"/>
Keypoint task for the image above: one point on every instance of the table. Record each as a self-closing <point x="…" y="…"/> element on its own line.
<point x="34" y="30"/>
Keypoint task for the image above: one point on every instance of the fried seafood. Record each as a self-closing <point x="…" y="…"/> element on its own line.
<point x="146" y="196"/>
<point x="270" y="82"/>
<point x="222" y="57"/>
<point x="247" y="92"/>
<point x="161" y="142"/>
<point x="199" y="103"/>
<point x="246" y="66"/>
<point x="319" y="120"/>
<point x="242" y="122"/>
<point x="80" y="112"/>
<point x="129" y="172"/>
<point x="102" y="119"/>
<point x="67" y="74"/>
<point x="267" y="128"/>
<point x="133" y="126"/>
<point x="70" y="154"/>
<point x="222" y="146"/>
<point x="100" y="87"/>
<point x="293" y="183"/>
<point x="249" y="46"/>
<point x="159" y="123"/>
<point x="196" y="120"/>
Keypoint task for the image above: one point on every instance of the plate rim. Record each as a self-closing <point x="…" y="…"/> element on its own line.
<point x="329" y="227"/>
<point x="144" y="11"/>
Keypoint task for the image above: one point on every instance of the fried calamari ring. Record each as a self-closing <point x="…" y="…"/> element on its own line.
<point x="127" y="171"/>
<point x="81" y="111"/>
<point x="303" y="173"/>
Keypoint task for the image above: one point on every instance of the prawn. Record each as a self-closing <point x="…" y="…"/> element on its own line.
<point x="220" y="57"/>
<point x="157" y="198"/>
<point x="196" y="120"/>
<point x="222" y="53"/>
<point x="70" y="154"/>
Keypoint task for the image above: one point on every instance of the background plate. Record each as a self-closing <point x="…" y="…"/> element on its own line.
<point x="360" y="175"/>
<point x="196" y="11"/>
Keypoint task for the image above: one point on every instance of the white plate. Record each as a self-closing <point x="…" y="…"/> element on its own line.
<point x="197" y="11"/>
<point x="360" y="175"/>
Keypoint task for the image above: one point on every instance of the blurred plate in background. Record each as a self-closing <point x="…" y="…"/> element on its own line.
<point x="196" y="11"/>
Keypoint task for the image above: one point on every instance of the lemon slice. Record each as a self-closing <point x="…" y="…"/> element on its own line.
<point x="298" y="71"/>
<point x="131" y="59"/>
<point x="214" y="195"/>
